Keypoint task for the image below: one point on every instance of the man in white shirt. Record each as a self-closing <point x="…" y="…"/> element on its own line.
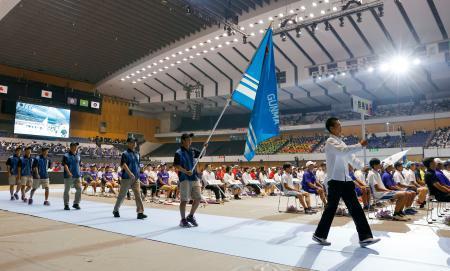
<point x="410" y="189"/>
<point x="338" y="156"/>
<point x="320" y="173"/>
<point x="246" y="178"/>
<point x="410" y="176"/>
<point x="209" y="180"/>
<point x="381" y="193"/>
<point x="289" y="189"/>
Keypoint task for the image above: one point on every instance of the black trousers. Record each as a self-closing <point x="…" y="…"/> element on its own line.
<point x="346" y="191"/>
<point x="216" y="191"/>
<point x="145" y="187"/>
<point x="255" y="188"/>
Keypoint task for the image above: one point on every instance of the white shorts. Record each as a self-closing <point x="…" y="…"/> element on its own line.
<point x="41" y="182"/>
<point x="12" y="180"/>
<point x="292" y="193"/>
<point x="26" y="180"/>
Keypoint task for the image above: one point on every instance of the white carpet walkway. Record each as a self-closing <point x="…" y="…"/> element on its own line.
<point x="277" y="242"/>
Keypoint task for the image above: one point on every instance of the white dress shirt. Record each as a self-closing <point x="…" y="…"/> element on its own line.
<point x="320" y="176"/>
<point x="374" y="178"/>
<point x="246" y="178"/>
<point x="338" y="156"/>
<point x="208" y="177"/>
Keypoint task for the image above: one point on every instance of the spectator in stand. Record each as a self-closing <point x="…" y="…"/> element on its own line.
<point x="439" y="174"/>
<point x="410" y="179"/>
<point x="381" y="193"/>
<point x="441" y="192"/>
<point x="311" y="185"/>
<point x="289" y="189"/>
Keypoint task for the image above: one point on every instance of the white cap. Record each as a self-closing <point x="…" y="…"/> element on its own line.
<point x="310" y="163"/>
<point x="387" y="164"/>
<point x="439" y="161"/>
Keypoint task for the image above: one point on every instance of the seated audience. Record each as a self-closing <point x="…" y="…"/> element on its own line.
<point x="437" y="189"/>
<point x="290" y="190"/>
<point x="310" y="184"/>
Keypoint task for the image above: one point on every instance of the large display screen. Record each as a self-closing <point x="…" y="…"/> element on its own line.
<point x="33" y="119"/>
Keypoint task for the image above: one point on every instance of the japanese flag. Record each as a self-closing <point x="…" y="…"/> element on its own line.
<point x="3" y="89"/>
<point x="46" y="94"/>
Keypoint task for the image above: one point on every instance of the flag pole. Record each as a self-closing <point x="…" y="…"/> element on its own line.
<point x="228" y="103"/>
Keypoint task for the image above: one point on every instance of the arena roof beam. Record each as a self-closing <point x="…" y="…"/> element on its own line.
<point x="437" y="17"/>
<point x="171" y="89"/>
<point x="407" y="21"/>
<point x="430" y="79"/>
<point x="178" y="82"/>
<point x="193" y="79"/>
<point x="341" y="41"/>
<point x="301" y="49"/>
<point x="342" y="86"/>
<point x="363" y="85"/>
<point x="291" y="95"/>
<point x="142" y="93"/>
<point x="383" y="28"/>
<point x="361" y="34"/>
<point x="325" y="90"/>
<point x="222" y="72"/>
<point x="320" y="44"/>
<point x="216" y="85"/>
<point x="152" y="88"/>
<point x="229" y="62"/>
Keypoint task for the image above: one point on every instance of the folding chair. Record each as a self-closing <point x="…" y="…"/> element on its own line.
<point x="282" y="194"/>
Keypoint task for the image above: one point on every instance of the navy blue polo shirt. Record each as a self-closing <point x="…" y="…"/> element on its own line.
<point x="25" y="164"/>
<point x="132" y="160"/>
<point x="13" y="163"/>
<point x="185" y="159"/>
<point x="73" y="162"/>
<point x="42" y="164"/>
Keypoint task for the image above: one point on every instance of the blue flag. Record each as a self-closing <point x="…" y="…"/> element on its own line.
<point x="245" y="92"/>
<point x="264" y="121"/>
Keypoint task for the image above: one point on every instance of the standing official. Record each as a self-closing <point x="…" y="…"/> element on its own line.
<point x="130" y="163"/>
<point x="41" y="164"/>
<point x="13" y="173"/>
<point x="72" y="175"/>
<point x="340" y="185"/>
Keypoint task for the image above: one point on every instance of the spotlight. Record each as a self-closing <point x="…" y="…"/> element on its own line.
<point x="380" y="11"/>
<point x="399" y="65"/>
<point x="341" y="22"/>
<point x="359" y="17"/>
<point x="188" y="10"/>
<point x="416" y="61"/>
<point x="283" y="36"/>
<point x="327" y="26"/>
<point x="370" y="69"/>
<point x="298" y="32"/>
<point x="244" y="39"/>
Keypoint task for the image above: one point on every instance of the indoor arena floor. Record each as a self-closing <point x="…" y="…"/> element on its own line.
<point x="241" y="235"/>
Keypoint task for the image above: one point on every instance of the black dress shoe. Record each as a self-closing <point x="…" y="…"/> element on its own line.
<point x="76" y="206"/>
<point x="141" y="216"/>
<point x="66" y="207"/>
<point x="116" y="214"/>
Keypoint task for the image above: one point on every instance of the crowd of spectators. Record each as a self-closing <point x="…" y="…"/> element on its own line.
<point x="302" y="144"/>
<point x="270" y="146"/>
<point x="441" y="138"/>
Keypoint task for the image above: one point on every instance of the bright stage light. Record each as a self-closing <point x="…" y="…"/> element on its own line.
<point x="384" y="67"/>
<point x="370" y="69"/>
<point x="399" y="65"/>
<point x="416" y="61"/>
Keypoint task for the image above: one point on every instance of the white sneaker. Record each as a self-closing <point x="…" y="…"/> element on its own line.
<point x="368" y="242"/>
<point x="321" y="241"/>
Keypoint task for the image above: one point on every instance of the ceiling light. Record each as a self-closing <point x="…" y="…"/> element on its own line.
<point x="149" y="74"/>
<point x="384" y="67"/>
<point x="212" y="49"/>
<point x="327" y="1"/>
<point x="416" y="61"/>
<point x="227" y="43"/>
<point x="134" y="82"/>
<point x="370" y="69"/>
<point x="270" y="18"/>
<point x="334" y="8"/>
<point x="281" y="15"/>
<point x="174" y="55"/>
<point x="187" y="49"/>
<point x="303" y="7"/>
<point x="251" y="25"/>
<point x="143" y="69"/>
<point x="252" y="34"/>
<point x="242" y="28"/>
<point x="300" y="18"/>
<point x="167" y="58"/>
<point x="139" y="80"/>
<point x="198" y="54"/>
<point x="216" y="38"/>
<point x="261" y="31"/>
<point x="322" y="11"/>
<point x="343" y="74"/>
<point x="291" y="11"/>
<point x="178" y="62"/>
<point x="208" y="41"/>
<point x="160" y="69"/>
<point x="201" y="44"/>
<point x="235" y="40"/>
<point x="184" y="59"/>
<point x="311" y="15"/>
<point x="122" y="79"/>
<point x="138" y="72"/>
<point x="155" y="64"/>
<point x="155" y="72"/>
<point x="166" y="67"/>
<point x="145" y="77"/>
<point x="399" y="65"/>
<point x="205" y="51"/>
<point x="128" y="77"/>
<point x="314" y="4"/>
<point x="260" y="21"/>
<point x="191" y="57"/>
<point x="132" y="74"/>
<point x="220" y="45"/>
<point x="194" y="47"/>
<point x="160" y="61"/>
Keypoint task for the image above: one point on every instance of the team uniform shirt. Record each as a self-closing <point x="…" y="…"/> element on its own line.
<point x="93" y="175"/>
<point x="374" y="178"/>
<point x="25" y="163"/>
<point x="286" y="178"/>
<point x="143" y="177"/>
<point x="163" y="176"/>
<point x="410" y="177"/>
<point x="308" y="177"/>
<point x="185" y="158"/>
<point x="388" y="180"/>
<point x="441" y="177"/>
<point x="338" y="156"/>
<point x="173" y="177"/>
<point x="42" y="164"/>
<point x="73" y="162"/>
<point x="108" y="176"/>
<point x="153" y="176"/>
<point x="13" y="163"/>
<point x="399" y="177"/>
<point x="430" y="179"/>
<point x="132" y="159"/>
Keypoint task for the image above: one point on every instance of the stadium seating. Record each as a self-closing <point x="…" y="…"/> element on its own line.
<point x="441" y="138"/>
